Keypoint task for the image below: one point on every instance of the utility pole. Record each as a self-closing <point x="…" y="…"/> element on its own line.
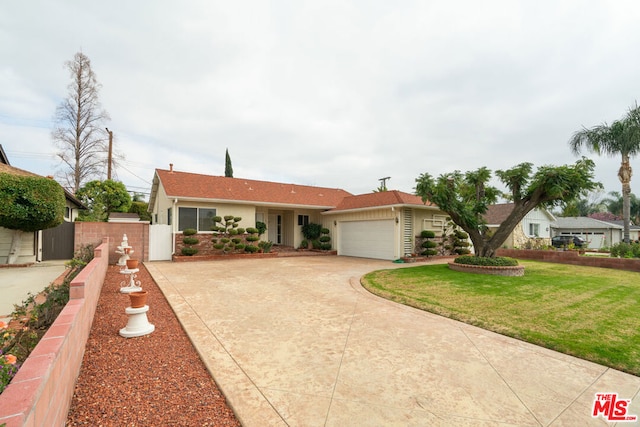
<point x="110" y="151"/>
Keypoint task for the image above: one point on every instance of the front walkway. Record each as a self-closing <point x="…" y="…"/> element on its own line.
<point x="297" y="341"/>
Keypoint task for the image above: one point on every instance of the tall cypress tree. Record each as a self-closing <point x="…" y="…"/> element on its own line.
<point x="228" y="169"/>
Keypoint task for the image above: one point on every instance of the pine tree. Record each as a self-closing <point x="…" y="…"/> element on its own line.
<point x="228" y="169"/>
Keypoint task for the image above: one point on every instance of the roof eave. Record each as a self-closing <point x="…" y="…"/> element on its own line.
<point x="403" y="205"/>
<point x="250" y="202"/>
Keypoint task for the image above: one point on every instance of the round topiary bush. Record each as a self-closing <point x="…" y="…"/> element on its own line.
<point x="189" y="231"/>
<point x="189" y="251"/>
<point x="499" y="261"/>
<point x="190" y="241"/>
<point x="251" y="248"/>
<point x="428" y="244"/>
<point x="427" y="234"/>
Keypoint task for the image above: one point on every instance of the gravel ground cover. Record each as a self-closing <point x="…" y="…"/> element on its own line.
<point x="153" y="380"/>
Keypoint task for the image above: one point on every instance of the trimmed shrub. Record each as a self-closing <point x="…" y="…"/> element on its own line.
<point x="252" y="238"/>
<point x="240" y="230"/>
<point x="429" y="244"/>
<point x="190" y="241"/>
<point x="251" y="248"/>
<point x="261" y="227"/>
<point x="252" y="230"/>
<point x="427" y="234"/>
<point x="304" y="244"/>
<point x="218" y="246"/>
<point x="236" y="240"/>
<point x="189" y="232"/>
<point x="189" y="251"/>
<point x="499" y="261"/>
<point x="324" y="239"/>
<point x="325" y="246"/>
<point x="311" y="231"/>
<point x="240" y="246"/>
<point x="325" y="231"/>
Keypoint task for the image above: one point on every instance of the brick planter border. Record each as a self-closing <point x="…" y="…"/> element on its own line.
<point x="510" y="271"/>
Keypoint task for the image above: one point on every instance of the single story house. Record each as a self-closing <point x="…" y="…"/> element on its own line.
<point x="596" y="232"/>
<point x="535" y="224"/>
<point x="55" y="243"/>
<point x="376" y="225"/>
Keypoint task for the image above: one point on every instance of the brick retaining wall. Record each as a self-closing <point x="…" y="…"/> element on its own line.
<point x="40" y="394"/>
<point x="573" y="258"/>
<point x="91" y="233"/>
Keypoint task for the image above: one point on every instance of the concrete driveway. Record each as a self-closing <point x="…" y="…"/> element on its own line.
<point x="17" y="282"/>
<point x="298" y="342"/>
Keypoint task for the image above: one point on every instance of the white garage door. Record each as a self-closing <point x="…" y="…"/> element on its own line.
<point x="367" y="239"/>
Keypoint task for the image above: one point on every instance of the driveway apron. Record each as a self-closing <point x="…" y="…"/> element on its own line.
<point x="298" y="342"/>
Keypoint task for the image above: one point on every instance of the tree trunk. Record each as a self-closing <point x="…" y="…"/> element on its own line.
<point x="624" y="174"/>
<point x="14" y="249"/>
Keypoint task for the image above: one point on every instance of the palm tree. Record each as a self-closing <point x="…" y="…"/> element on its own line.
<point x="622" y="138"/>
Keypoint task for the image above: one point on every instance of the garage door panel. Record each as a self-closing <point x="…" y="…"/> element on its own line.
<point x="367" y="239"/>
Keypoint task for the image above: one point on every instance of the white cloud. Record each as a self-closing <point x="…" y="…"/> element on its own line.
<point x="335" y="93"/>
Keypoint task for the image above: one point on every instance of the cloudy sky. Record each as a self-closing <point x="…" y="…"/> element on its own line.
<point x="327" y="93"/>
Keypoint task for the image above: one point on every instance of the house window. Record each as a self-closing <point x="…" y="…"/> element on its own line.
<point x="534" y="229"/>
<point x="67" y="212"/>
<point x="205" y="219"/>
<point x="169" y="216"/>
<point x="200" y="219"/>
<point x="303" y="219"/>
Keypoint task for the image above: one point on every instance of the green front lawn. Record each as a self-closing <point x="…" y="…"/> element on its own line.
<point x="591" y="313"/>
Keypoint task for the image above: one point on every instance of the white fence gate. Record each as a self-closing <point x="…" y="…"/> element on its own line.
<point x="160" y="242"/>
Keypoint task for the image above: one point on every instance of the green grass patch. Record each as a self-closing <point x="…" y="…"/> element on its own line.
<point x="591" y="313"/>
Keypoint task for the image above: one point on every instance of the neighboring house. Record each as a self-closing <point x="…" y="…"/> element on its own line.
<point x="376" y="225"/>
<point x="535" y="224"/>
<point x="597" y="233"/>
<point x="123" y="217"/>
<point x="55" y="243"/>
<point x="634" y="230"/>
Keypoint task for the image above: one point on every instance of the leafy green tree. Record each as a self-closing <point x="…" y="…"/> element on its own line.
<point x="228" y="169"/>
<point x="466" y="197"/>
<point x="29" y="203"/>
<point x="621" y="138"/>
<point x="585" y="206"/>
<point x="102" y="198"/>
<point x="615" y="205"/>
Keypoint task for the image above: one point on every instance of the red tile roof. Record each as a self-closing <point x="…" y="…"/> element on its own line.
<point x="382" y="198"/>
<point x="198" y="186"/>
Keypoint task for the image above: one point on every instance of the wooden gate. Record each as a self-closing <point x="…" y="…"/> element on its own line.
<point x="57" y="242"/>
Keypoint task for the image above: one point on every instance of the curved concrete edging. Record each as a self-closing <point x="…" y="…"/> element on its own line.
<point x="40" y="394"/>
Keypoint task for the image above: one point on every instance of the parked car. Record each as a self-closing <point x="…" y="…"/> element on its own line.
<point x="563" y="241"/>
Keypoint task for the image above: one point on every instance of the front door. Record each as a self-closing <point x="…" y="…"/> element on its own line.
<point x="275" y="228"/>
